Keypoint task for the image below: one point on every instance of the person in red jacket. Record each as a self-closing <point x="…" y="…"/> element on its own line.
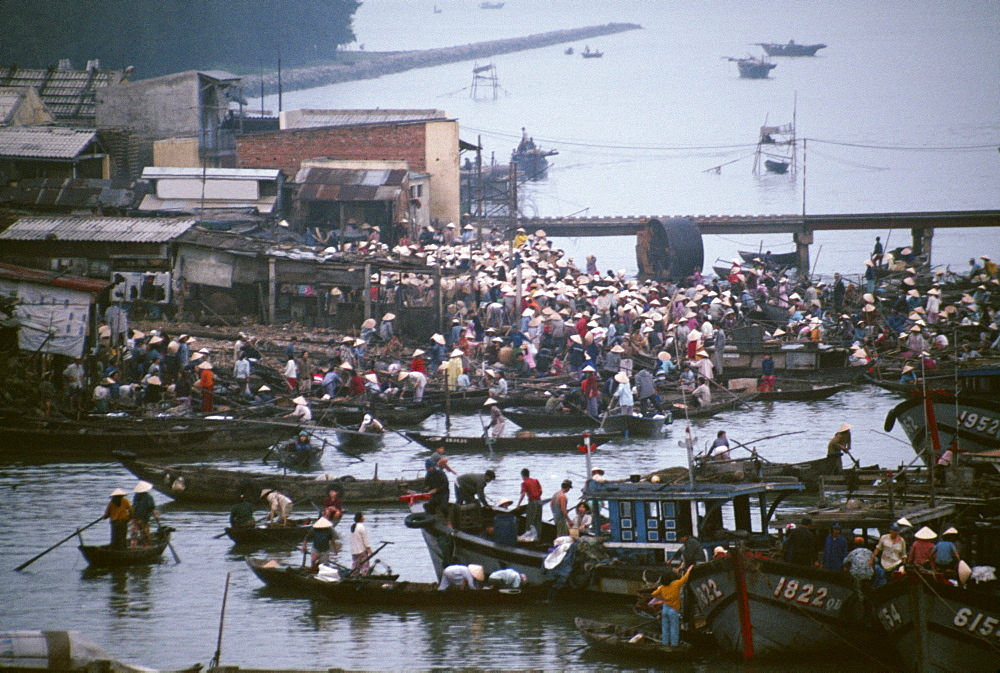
<point x="417" y="363"/>
<point x="591" y="390"/>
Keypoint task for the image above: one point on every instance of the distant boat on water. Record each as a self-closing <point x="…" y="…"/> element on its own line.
<point x="587" y="53"/>
<point x="753" y="68"/>
<point x="532" y="161"/>
<point x="569" y="51"/>
<point x="790" y="49"/>
<point x="491" y="5"/>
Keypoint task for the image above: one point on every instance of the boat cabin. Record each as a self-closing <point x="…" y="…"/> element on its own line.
<point x="643" y="516"/>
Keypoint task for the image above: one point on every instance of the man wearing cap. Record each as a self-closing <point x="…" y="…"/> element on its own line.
<point x="531" y="489"/>
<point x="834" y="549"/>
<point x="321" y="534"/>
<point x="462" y="577"/>
<point x="119" y="513"/>
<point x="470" y="488"/>
<point x="281" y="505"/>
<point x="800" y="546"/>
<point x="143" y="507"/>
<point x="890" y="550"/>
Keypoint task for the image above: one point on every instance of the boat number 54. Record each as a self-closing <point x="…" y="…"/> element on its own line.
<point x="977" y="623"/>
<point x="806" y="594"/>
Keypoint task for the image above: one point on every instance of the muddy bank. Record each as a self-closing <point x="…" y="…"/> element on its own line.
<point x="387" y="64"/>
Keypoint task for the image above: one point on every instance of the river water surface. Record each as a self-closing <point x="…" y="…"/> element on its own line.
<point x="167" y="615"/>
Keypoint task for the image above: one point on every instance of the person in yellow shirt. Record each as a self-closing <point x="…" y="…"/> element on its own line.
<point x="520" y="238"/>
<point x="119" y="511"/>
<point x="669" y="596"/>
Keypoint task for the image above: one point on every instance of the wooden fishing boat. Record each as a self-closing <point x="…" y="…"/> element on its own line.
<point x="637" y="426"/>
<point x="753" y="68"/>
<point x="103" y="556"/>
<point x="644" y="522"/>
<point x="200" y="484"/>
<point x="97" y="437"/>
<point x="790" y="48"/>
<point x="800" y="391"/>
<point x="293" y="459"/>
<point x="781" y="259"/>
<point x="344" y="413"/>
<point x="534" y="418"/>
<point x="757" y="607"/>
<point x="690" y="410"/>
<point x="527" y="443"/>
<point x="591" y="54"/>
<point x="388" y="593"/>
<point x="970" y="420"/>
<point x="808" y="472"/>
<point x="271" y="534"/>
<point x="351" y="438"/>
<point x="777" y="167"/>
<point x="937" y="627"/>
<point x="622" y="642"/>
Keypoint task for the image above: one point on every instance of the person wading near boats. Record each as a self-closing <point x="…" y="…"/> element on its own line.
<point x="470" y="488"/>
<point x="668" y="596"/>
<point x="462" y="577"/>
<point x="560" y="511"/>
<point x="281" y="506"/>
<point x="800" y="544"/>
<point x="834" y="549"/>
<point x="531" y="489"/>
<point x="321" y="535"/>
<point x="241" y="515"/>
<point x="497" y="420"/>
<point x="119" y="513"/>
<point x="890" y="550"/>
<point x="361" y="548"/>
<point x="143" y="507"/>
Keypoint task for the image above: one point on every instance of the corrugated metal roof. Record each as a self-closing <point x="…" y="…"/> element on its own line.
<point x="158" y="172"/>
<point x="10" y="98"/>
<point x="25" y="275"/>
<point x="153" y="203"/>
<point x="299" y="119"/>
<point x="225" y="241"/>
<point x="110" y="229"/>
<point x="44" y="142"/>
<point x="69" y="94"/>
<point x="342" y="184"/>
<point x="68" y="193"/>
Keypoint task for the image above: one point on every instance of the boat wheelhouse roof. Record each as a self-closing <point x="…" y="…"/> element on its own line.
<point x="645" y="490"/>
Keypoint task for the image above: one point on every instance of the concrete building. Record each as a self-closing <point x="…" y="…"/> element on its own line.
<point x="21" y="106"/>
<point x="188" y="107"/>
<point x="425" y="139"/>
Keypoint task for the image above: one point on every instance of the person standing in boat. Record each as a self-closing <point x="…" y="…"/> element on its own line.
<point x="497" y="420"/>
<point x="143" y="507"/>
<point x="890" y="551"/>
<point x="690" y="552"/>
<point x="241" y="515"/>
<point x="834" y="549"/>
<point x="206" y="382"/>
<point x="361" y="548"/>
<point x="560" y="511"/>
<point x="321" y="535"/>
<point x="840" y="442"/>
<point x="669" y="597"/>
<point x="436" y="484"/>
<point x="531" y="489"/>
<point x="767" y="377"/>
<point x="281" y="506"/>
<point x="800" y="545"/>
<point x="119" y="513"/>
<point x="471" y="488"/>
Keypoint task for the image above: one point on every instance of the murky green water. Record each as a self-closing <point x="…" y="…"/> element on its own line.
<point x="167" y="615"/>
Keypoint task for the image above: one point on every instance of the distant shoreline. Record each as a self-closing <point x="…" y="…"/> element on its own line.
<point x="395" y="62"/>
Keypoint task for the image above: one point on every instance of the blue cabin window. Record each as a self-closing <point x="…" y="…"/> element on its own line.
<point x="627" y="536"/>
<point x="626" y="523"/>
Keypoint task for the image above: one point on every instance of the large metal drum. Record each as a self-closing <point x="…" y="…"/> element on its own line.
<point x="669" y="249"/>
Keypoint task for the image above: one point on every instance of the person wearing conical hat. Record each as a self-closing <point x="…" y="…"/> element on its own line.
<point x="322" y="535"/>
<point x="206" y="383"/>
<point x="119" y="513"/>
<point x="302" y="413"/>
<point x="623" y="394"/>
<point x="945" y="557"/>
<point x="840" y="442"/>
<point x="922" y="550"/>
<point x="143" y="507"/>
<point x="497" y="420"/>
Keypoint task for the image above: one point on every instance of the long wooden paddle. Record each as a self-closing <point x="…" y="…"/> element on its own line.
<point x="368" y="558"/>
<point x="170" y="546"/>
<point x="65" y="539"/>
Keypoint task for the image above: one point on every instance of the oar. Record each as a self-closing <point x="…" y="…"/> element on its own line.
<point x="65" y="539"/>
<point x="408" y="440"/>
<point x="368" y="558"/>
<point x="170" y="545"/>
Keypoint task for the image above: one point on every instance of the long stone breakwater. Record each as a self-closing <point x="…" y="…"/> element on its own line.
<point x="390" y="63"/>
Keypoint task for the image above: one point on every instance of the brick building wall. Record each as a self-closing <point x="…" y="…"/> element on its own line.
<point x="287" y="149"/>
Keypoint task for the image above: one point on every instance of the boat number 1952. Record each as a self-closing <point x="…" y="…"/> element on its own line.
<point x="806" y="594"/>
<point x="980" y="423"/>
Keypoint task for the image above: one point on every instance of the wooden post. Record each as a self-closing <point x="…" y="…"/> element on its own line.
<point x="743" y="602"/>
<point x="368" y="291"/>
<point x="272" y="292"/>
<point x="439" y="298"/>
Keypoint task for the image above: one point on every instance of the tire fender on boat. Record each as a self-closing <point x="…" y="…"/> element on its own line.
<point x="419" y="520"/>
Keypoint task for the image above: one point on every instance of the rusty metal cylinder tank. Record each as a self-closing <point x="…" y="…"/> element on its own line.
<point x="669" y="249"/>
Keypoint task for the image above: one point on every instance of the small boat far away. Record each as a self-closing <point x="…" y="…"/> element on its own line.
<point x="569" y="51"/>
<point x="587" y="53"/>
<point x="531" y="160"/>
<point x="751" y="67"/>
<point x="790" y="49"/>
<point x="491" y="5"/>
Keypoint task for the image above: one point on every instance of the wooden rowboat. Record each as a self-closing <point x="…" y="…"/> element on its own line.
<point x="297" y="460"/>
<point x="629" y="643"/>
<point x="387" y="593"/>
<point x="271" y="534"/>
<point x="637" y="426"/>
<point x="350" y="438"/>
<point x="199" y="484"/>
<point x="344" y="413"/>
<point x="690" y="410"/>
<point x="103" y="556"/>
<point x="536" y="418"/>
<point x="789" y="391"/>
<point x="527" y="443"/>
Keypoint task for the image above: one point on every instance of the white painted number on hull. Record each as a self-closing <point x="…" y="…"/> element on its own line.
<point x="977" y="623"/>
<point x="806" y="594"/>
<point x="707" y="593"/>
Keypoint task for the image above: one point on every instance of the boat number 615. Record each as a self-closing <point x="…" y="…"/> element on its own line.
<point x="981" y="624"/>
<point x="806" y="594"/>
